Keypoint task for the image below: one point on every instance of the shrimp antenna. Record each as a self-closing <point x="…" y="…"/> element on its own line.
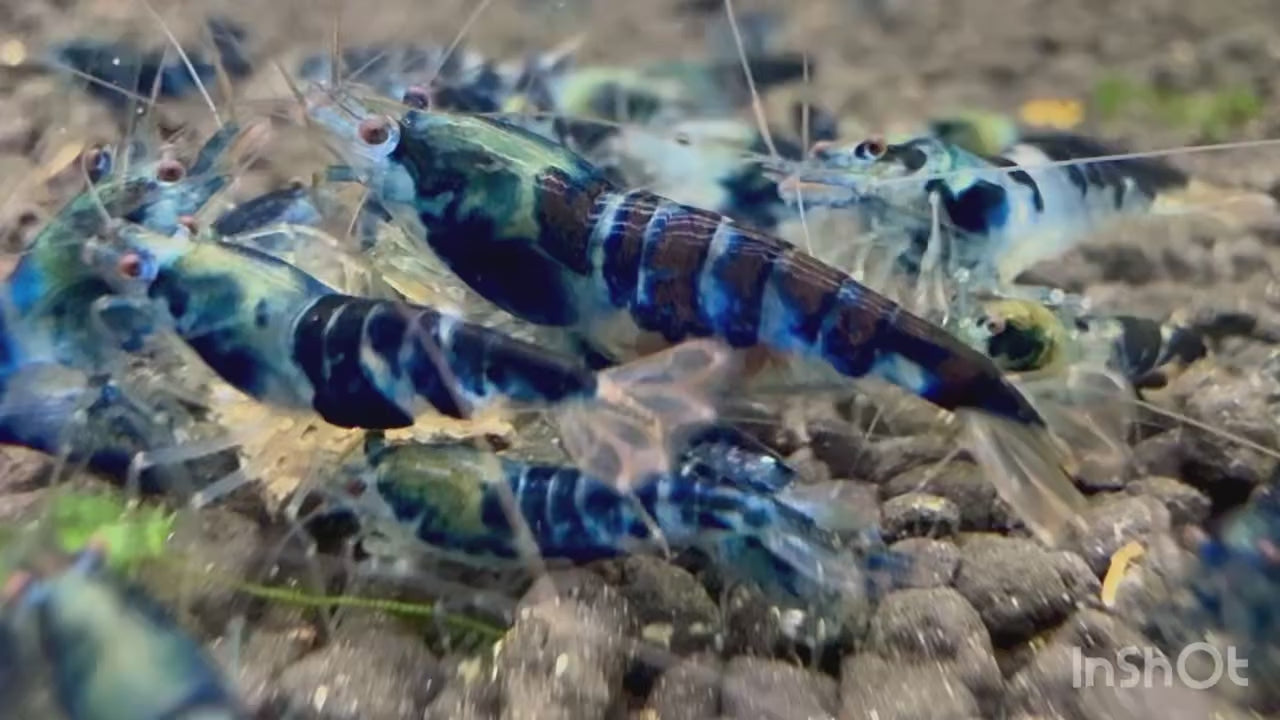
<point x="93" y="193"/>
<point x="757" y="107"/>
<point x="457" y="40"/>
<point x="225" y="88"/>
<point x="335" y="47"/>
<point x="186" y="61"/>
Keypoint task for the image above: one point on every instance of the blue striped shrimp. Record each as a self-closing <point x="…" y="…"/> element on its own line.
<point x="991" y="217"/>
<point x="285" y="339"/>
<point x="539" y="232"/>
<point x="114" y="653"/>
<point x="453" y="499"/>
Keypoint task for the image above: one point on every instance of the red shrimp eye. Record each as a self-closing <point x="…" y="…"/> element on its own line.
<point x="170" y="171"/>
<point x="374" y="131"/>
<point x="130" y="265"/>
<point x="872" y="148"/>
<point x="417" y="97"/>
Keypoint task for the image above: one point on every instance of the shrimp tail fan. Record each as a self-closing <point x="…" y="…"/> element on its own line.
<point x="643" y="412"/>
<point x="1091" y="411"/>
<point x="1030" y="472"/>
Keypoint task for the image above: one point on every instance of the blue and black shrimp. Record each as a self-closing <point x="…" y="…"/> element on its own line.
<point x="454" y="79"/>
<point x="1026" y="337"/>
<point x="541" y="233"/>
<point x="52" y="290"/>
<point x="118" y="66"/>
<point x="1002" y="213"/>
<point x="721" y="500"/>
<point x="114" y="653"/>
<point x="287" y="340"/>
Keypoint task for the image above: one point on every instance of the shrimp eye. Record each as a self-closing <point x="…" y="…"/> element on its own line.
<point x="170" y="171"/>
<point x="872" y="149"/>
<point x="130" y="265"/>
<point x="97" y="162"/>
<point x="994" y="324"/>
<point x="374" y="131"/>
<point x="417" y="96"/>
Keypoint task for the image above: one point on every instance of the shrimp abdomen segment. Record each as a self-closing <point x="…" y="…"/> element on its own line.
<point x="373" y="362"/>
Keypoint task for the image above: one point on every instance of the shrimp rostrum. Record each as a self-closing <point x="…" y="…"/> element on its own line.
<point x="287" y="340"/>
<point x="541" y="233"/>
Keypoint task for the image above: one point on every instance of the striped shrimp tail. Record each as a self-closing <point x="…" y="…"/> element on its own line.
<point x="1027" y="469"/>
<point x="643" y="411"/>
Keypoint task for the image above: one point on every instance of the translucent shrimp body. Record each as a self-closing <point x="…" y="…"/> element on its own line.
<point x="1005" y="213"/>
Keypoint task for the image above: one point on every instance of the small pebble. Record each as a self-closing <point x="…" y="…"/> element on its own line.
<point x="690" y="690"/>
<point x="370" y="671"/>
<point x="1186" y="505"/>
<point x="937" y="627"/>
<point x="918" y="515"/>
<point x="932" y="563"/>
<point x="1110" y="525"/>
<point x="1016" y="586"/>
<point x="872" y="688"/>
<point x="963" y="483"/>
<point x="761" y="687"/>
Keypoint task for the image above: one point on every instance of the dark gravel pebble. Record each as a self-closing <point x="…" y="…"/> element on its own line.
<point x="568" y="651"/>
<point x="1017" y="587"/>
<point x="690" y="690"/>
<point x="937" y="627"/>
<point x="963" y="483"/>
<point x="918" y="515"/>
<point x="672" y="607"/>
<point x="872" y="688"/>
<point x="931" y="562"/>
<point x="765" y="688"/>
<point x="368" y="671"/>
<point x="1186" y="505"/>
<point x="1114" y="522"/>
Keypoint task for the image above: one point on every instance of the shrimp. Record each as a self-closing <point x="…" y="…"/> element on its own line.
<point x="451" y="498"/>
<point x="114" y="652"/>
<point x="1006" y="212"/>
<point x="1026" y="337"/>
<point x="287" y="340"/>
<point x="456" y="79"/>
<point x="539" y="232"/>
<point x="116" y="67"/>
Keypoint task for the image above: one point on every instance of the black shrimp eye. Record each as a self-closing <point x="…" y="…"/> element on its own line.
<point x="872" y="149"/>
<point x="374" y="131"/>
<point x="417" y="97"/>
<point x="170" y="171"/>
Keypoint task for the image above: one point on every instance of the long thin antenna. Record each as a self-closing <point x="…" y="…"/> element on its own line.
<point x="186" y="61"/>
<point x="757" y="107"/>
<point x="457" y="40"/>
